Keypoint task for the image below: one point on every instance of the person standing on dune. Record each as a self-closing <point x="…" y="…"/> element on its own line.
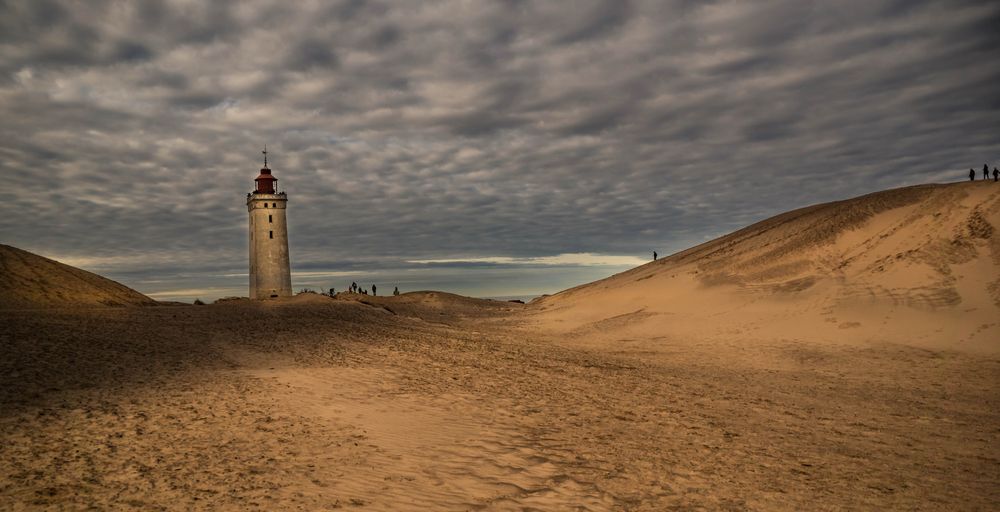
<point x="654" y="255"/>
<point x="996" y="173"/>
<point x="972" y="175"/>
<point x="373" y="290"/>
<point x="986" y="172"/>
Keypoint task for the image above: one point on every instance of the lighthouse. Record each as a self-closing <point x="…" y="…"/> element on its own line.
<point x="270" y="274"/>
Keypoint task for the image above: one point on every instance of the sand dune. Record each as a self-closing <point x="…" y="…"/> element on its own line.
<point x="836" y="357"/>
<point x="31" y="281"/>
<point x="918" y="266"/>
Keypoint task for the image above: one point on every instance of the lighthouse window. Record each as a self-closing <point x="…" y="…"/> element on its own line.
<point x="270" y="234"/>
<point x="269" y="218"/>
<point x="274" y="205"/>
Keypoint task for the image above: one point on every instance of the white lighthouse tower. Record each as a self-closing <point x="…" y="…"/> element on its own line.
<point x="270" y="275"/>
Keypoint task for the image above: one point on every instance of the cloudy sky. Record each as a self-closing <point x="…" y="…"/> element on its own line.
<point x="492" y="148"/>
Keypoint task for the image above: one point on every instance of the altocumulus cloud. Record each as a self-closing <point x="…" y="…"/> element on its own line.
<point x="467" y="145"/>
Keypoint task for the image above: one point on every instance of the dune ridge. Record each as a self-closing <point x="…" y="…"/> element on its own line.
<point x="29" y="281"/>
<point x="917" y="265"/>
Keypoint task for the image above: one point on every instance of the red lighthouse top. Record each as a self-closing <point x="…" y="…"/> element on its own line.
<point x="265" y="182"/>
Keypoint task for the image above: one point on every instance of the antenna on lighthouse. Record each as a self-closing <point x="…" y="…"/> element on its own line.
<point x="265" y="156"/>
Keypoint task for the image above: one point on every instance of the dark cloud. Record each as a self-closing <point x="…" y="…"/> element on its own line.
<point x="770" y="128"/>
<point x="131" y="50"/>
<point x="386" y="36"/>
<point x="448" y="129"/>
<point x="601" y="19"/>
<point x="312" y="53"/>
<point x="153" y="77"/>
<point x="196" y="100"/>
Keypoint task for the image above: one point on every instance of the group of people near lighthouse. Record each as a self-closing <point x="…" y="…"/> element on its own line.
<point x="986" y="174"/>
<point x="354" y="288"/>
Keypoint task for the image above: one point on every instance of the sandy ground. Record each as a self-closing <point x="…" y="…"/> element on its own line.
<point x="433" y="402"/>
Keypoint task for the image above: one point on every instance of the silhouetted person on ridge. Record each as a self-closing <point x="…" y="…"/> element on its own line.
<point x="373" y="290"/>
<point x="395" y="291"/>
<point x="995" y="174"/>
<point x="986" y="172"/>
<point x="972" y="175"/>
<point x="332" y="292"/>
<point x="654" y="255"/>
